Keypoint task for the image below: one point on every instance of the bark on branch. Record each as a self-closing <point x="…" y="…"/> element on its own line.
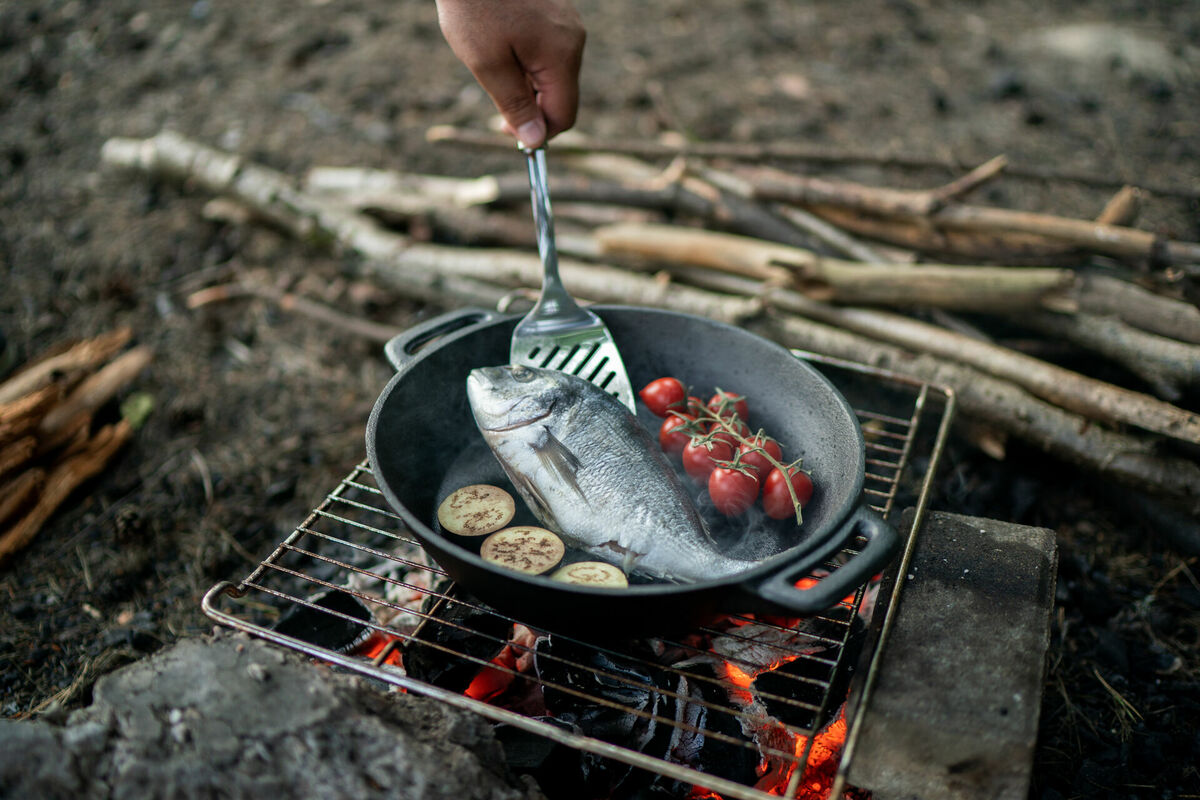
<point x="1073" y="437"/>
<point x="793" y="151"/>
<point x="835" y="280"/>
<point x="1096" y="237"/>
<point x="61" y="481"/>
<point x="1070" y="390"/>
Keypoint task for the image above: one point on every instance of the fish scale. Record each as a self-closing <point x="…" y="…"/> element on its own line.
<point x="589" y="471"/>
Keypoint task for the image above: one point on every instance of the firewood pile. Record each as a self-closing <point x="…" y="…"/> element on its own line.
<point x="898" y="278"/>
<point x="50" y="440"/>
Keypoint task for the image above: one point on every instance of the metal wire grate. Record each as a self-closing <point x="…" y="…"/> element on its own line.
<point x="680" y="695"/>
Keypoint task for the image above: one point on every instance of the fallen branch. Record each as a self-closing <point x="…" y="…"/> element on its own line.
<point x="21" y="416"/>
<point x="371" y="331"/>
<point x="16" y="453"/>
<point x="62" y="480"/>
<point x="772" y="184"/>
<point x="793" y="151"/>
<point x="272" y="195"/>
<point x="1007" y="248"/>
<point x="1122" y="208"/>
<point x="1069" y="390"/>
<point x="1105" y="296"/>
<point x="1167" y="365"/>
<point x="95" y="391"/>
<point x="407" y="195"/>
<point x="17" y="494"/>
<point x="835" y="280"/>
<point x="1131" y="460"/>
<point x="1113" y="240"/>
<point x="83" y="357"/>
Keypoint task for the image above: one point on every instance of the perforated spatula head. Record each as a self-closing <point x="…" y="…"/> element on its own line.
<point x="557" y="333"/>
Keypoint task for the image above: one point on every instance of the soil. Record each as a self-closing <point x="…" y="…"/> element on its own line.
<point x="257" y="412"/>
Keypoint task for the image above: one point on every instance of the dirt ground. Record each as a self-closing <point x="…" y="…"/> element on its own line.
<point x="257" y="413"/>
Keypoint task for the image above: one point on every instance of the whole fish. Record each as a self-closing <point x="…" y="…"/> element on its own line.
<point x="589" y="471"/>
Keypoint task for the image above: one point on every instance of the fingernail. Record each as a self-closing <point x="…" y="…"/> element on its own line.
<point x="532" y="133"/>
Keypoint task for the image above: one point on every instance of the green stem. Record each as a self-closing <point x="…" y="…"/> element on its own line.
<point x="708" y="415"/>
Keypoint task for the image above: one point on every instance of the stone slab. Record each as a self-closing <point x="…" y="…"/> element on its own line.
<point x="954" y="712"/>
<point x="233" y="717"/>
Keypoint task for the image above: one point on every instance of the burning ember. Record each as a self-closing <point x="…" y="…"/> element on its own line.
<point x="755" y="700"/>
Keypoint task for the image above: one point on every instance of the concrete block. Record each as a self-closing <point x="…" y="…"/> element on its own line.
<point x="954" y="713"/>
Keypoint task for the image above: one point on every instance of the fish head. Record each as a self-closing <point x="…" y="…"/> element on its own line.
<point x="512" y="397"/>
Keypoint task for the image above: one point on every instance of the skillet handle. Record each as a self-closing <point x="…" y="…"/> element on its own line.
<point x="404" y="346"/>
<point x="882" y="543"/>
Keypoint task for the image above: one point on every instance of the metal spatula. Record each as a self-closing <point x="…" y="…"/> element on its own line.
<point x="557" y="333"/>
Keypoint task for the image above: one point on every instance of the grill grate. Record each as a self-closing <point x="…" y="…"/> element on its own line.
<point x="706" y="689"/>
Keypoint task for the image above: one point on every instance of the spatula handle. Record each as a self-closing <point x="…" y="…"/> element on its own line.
<point x="555" y="302"/>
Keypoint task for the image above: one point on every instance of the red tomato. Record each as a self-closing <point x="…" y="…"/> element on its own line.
<point x="777" y="501"/>
<point x="732" y="490"/>
<point x="670" y="438"/>
<point x="751" y="454"/>
<point x="698" y="458"/>
<point x="725" y="403"/>
<point x="740" y="430"/>
<point x="694" y="405"/>
<point x="663" y="395"/>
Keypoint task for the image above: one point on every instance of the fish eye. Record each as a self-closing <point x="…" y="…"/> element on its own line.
<point x="522" y="373"/>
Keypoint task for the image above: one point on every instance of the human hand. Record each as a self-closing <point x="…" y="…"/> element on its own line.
<point x="525" y="54"/>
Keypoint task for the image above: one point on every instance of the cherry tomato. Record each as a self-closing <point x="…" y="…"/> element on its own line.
<point x="723" y="404"/>
<point x="751" y="454"/>
<point x="663" y="395"/>
<point x="777" y="502"/>
<point x="670" y="438"/>
<point x="699" y="458"/>
<point x="694" y="406"/>
<point x="732" y="490"/>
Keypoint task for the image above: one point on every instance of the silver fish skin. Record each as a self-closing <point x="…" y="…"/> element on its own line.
<point x="588" y="470"/>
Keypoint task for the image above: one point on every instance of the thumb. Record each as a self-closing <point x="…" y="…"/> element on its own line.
<point x="515" y="100"/>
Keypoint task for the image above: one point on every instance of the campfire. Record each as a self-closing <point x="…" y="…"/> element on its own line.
<point x="753" y="699"/>
<point x="745" y="705"/>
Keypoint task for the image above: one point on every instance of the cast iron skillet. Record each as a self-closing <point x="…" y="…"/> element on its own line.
<point x="422" y="443"/>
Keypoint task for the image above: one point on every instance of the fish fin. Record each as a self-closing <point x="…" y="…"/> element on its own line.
<point x="558" y="460"/>
<point x="536" y="502"/>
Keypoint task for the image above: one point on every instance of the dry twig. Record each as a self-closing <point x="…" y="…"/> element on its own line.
<point x="83" y="357"/>
<point x="892" y="284"/>
<point x="61" y="481"/>
<point x="793" y="151"/>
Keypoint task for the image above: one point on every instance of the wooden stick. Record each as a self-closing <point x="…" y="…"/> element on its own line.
<point x="794" y="151"/>
<point x="1114" y="240"/>
<point x="18" y="493"/>
<point x="291" y="302"/>
<point x="1167" y="365"/>
<point x="16" y="454"/>
<point x="961" y="186"/>
<point x="20" y="416"/>
<point x="938" y="285"/>
<point x="1067" y="389"/>
<point x="63" y="479"/>
<point x="271" y="194"/>
<point x="1132" y="460"/>
<point x="835" y="238"/>
<point x="1105" y="296"/>
<point x="1005" y="248"/>
<point x="84" y="356"/>
<point x="96" y="390"/>
<point x="1070" y="436"/>
<point x="1122" y="208"/>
